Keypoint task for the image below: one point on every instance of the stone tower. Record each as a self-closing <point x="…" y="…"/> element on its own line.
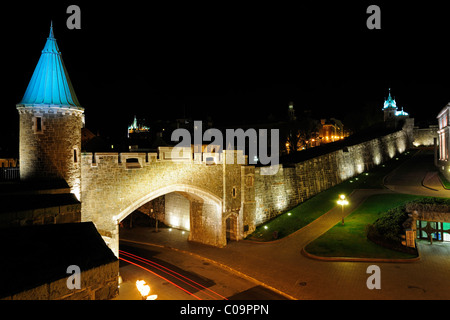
<point x="51" y="119"/>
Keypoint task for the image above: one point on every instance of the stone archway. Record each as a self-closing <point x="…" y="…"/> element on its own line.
<point x="205" y="214"/>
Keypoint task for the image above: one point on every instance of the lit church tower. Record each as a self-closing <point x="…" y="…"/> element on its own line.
<point x="389" y="107"/>
<point x="391" y="111"/>
<point x="51" y="119"/>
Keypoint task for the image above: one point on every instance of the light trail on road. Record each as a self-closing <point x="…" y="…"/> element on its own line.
<point x="190" y="285"/>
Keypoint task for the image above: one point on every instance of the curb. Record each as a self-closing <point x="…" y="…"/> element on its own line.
<point x="425" y="186"/>
<point x="219" y="264"/>
<point x="352" y="259"/>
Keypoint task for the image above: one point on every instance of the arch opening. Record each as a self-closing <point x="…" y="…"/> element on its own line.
<point x="188" y="208"/>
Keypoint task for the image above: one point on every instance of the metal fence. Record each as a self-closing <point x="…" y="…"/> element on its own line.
<point x="7" y="174"/>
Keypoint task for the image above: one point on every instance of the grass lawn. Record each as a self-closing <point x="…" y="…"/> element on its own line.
<point x="349" y="240"/>
<point x="444" y="181"/>
<point x="298" y="217"/>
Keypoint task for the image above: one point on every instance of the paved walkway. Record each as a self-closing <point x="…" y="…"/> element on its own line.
<point x="281" y="265"/>
<point x="417" y="176"/>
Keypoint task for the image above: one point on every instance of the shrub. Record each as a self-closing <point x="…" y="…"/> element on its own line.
<point x="390" y="224"/>
<point x="387" y="230"/>
<point x="429" y="204"/>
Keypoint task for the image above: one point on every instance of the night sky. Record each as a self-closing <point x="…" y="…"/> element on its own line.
<point x="235" y="63"/>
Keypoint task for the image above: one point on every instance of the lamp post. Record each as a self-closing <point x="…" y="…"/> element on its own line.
<point x="343" y="202"/>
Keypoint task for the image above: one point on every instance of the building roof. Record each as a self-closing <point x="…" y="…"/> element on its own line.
<point x="35" y="255"/>
<point x="50" y="84"/>
<point x="401" y="113"/>
<point x="390" y="102"/>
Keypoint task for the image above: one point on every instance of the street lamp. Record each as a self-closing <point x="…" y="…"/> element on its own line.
<point x="343" y="203"/>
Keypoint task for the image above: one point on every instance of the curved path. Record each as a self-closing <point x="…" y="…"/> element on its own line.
<point x="281" y="265"/>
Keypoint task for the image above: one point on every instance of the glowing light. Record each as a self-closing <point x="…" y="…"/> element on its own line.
<point x="143" y="288"/>
<point x="266" y="227"/>
<point x="342" y="202"/>
<point x="171" y="273"/>
<point x="377" y="160"/>
<point x="359" y="168"/>
<point x="289" y="213"/>
<point x="137" y="265"/>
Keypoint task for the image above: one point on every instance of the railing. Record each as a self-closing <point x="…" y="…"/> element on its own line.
<point x="8" y="174"/>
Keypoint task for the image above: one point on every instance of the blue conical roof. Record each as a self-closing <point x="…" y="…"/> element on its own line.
<point x="50" y="84"/>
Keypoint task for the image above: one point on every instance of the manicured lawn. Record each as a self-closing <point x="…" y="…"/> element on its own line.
<point x="349" y="240"/>
<point x="298" y="217"/>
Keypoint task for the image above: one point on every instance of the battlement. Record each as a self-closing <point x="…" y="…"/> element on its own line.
<point x="136" y="160"/>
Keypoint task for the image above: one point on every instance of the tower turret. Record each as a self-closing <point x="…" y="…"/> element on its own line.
<point x="389" y="108"/>
<point x="51" y="119"/>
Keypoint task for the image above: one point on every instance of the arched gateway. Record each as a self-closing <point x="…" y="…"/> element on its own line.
<point x="112" y="185"/>
<point x="111" y="189"/>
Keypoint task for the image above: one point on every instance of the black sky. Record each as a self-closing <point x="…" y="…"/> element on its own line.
<point x="233" y="62"/>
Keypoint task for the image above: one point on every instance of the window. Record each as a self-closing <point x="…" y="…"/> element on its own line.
<point x="233" y="192"/>
<point x="38" y="124"/>
<point x="75" y="156"/>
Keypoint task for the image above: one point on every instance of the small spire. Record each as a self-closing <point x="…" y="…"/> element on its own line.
<point x="51" y="35"/>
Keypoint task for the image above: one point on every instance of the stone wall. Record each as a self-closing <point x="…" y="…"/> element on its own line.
<point x="177" y="211"/>
<point x="48" y="153"/>
<point x="425" y="136"/>
<point x="113" y="187"/>
<point x="275" y="194"/>
<point x="100" y="283"/>
<point x="42" y="214"/>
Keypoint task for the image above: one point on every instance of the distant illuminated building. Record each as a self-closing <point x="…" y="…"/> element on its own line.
<point x="391" y="111"/>
<point x="137" y="128"/>
<point x="331" y="130"/>
<point x="444" y="140"/>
